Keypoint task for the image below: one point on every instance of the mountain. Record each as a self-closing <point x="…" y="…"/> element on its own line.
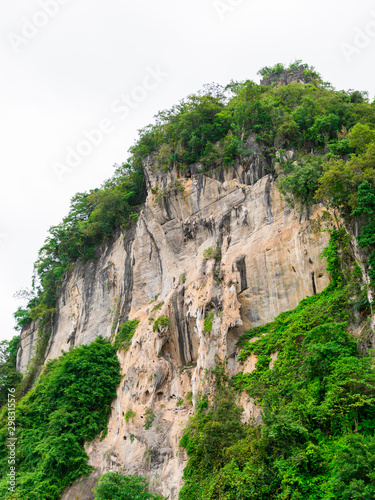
<point x="229" y="262"/>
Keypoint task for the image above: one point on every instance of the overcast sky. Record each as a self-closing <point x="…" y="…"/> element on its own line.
<point x="74" y="71"/>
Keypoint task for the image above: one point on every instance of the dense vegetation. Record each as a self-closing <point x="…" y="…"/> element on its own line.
<point x="116" y="486"/>
<point x="317" y="437"/>
<point x="9" y="376"/>
<point x="69" y="404"/>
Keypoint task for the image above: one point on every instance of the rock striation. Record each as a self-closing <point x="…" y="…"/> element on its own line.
<point x="264" y="259"/>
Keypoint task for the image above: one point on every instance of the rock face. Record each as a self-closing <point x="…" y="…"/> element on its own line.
<point x="224" y="244"/>
<point x="288" y="76"/>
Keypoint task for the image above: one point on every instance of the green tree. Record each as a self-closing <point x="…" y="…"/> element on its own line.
<point x="115" y="486"/>
<point x="302" y="180"/>
<point x="69" y="404"/>
<point x="366" y="209"/>
<point x="9" y="376"/>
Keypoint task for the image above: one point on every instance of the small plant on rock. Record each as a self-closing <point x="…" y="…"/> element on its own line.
<point x="149" y="418"/>
<point x="130" y="415"/>
<point x="211" y="253"/>
<point x="125" y="334"/>
<point x="208" y="322"/>
<point x="161" y="322"/>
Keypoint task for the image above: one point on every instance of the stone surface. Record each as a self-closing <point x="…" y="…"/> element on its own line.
<point x="270" y="260"/>
<point x="287" y="76"/>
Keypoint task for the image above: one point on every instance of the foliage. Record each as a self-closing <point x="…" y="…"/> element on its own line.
<point x="182" y="279"/>
<point x="208" y="320"/>
<point x="22" y="317"/>
<point x="215" y="426"/>
<point x="9" y="376"/>
<point x="211" y="253"/>
<point x="302" y="180"/>
<point x="161" y="322"/>
<point x="212" y="127"/>
<point x="189" y="397"/>
<point x="149" y="418"/>
<point x="93" y="217"/>
<point x="317" y="436"/>
<point x="157" y="307"/>
<point x="366" y="209"/>
<point x="130" y="415"/>
<point x="341" y="178"/>
<point x="70" y="404"/>
<point x="115" y="486"/>
<point x="272" y="70"/>
<point x="125" y="334"/>
<point x="308" y="71"/>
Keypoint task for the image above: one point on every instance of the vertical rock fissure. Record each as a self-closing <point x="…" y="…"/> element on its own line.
<point x="313" y="282"/>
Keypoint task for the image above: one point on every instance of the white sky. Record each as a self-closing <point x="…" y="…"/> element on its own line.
<point x="71" y="73"/>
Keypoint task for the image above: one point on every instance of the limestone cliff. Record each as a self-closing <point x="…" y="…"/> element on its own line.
<point x="269" y="260"/>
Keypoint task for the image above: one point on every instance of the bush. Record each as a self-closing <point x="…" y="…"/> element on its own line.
<point x="125" y="334"/>
<point x="302" y="180"/>
<point x="157" y="307"/>
<point x="208" y="320"/>
<point x="210" y="253"/>
<point x="9" y="376"/>
<point x="22" y="317"/>
<point x="115" y="486"/>
<point x="209" y="433"/>
<point x="130" y="415"/>
<point x="161" y="323"/>
<point x="150" y="417"/>
<point x="69" y="405"/>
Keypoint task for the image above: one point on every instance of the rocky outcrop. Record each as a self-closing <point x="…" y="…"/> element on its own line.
<point x="286" y="76"/>
<point x="224" y="244"/>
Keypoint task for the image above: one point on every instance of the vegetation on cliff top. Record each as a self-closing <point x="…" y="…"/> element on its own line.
<point x="212" y="127"/>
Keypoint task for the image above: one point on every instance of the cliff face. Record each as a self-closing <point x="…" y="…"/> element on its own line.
<point x="270" y="260"/>
<point x="286" y="76"/>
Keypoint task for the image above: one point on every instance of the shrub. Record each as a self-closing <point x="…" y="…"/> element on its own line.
<point x="161" y="322"/>
<point x="149" y="418"/>
<point x="70" y="404"/>
<point x="302" y="180"/>
<point x="124" y="336"/>
<point x="157" y="307"/>
<point x="208" y="320"/>
<point x="182" y="279"/>
<point x="210" y="253"/>
<point x="189" y="397"/>
<point x="129" y="416"/>
<point x="115" y="486"/>
<point x="9" y="376"/>
<point x="22" y="317"/>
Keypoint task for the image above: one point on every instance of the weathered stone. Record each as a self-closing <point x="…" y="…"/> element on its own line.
<point x="269" y="254"/>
